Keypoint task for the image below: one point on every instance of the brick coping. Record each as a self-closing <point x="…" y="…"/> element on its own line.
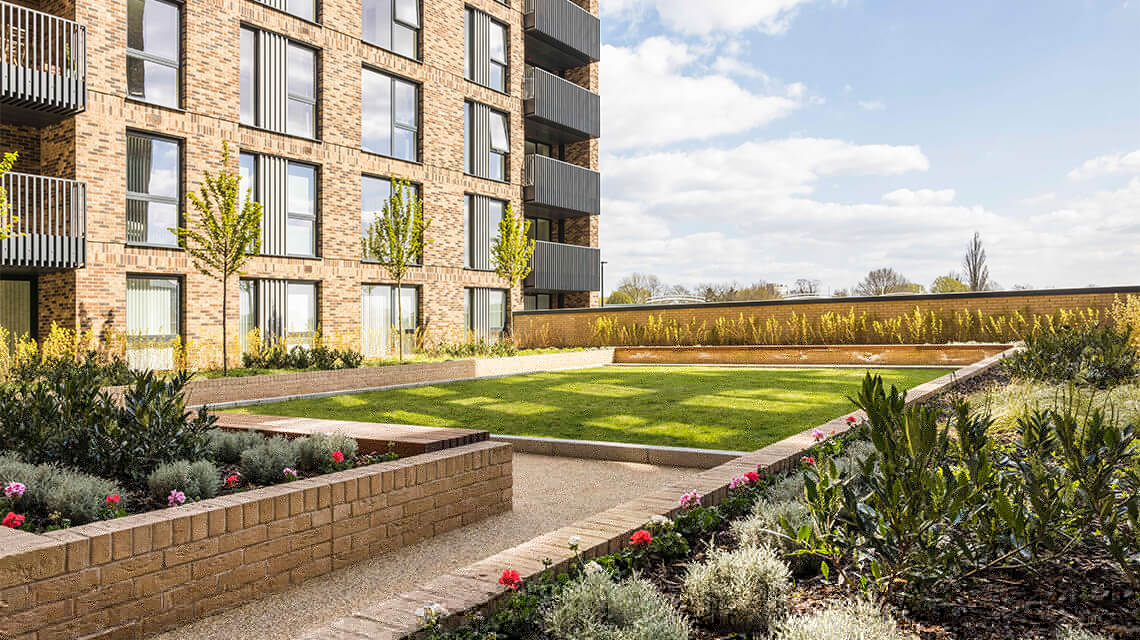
<point x="620" y="451"/>
<point x="476" y="587"/>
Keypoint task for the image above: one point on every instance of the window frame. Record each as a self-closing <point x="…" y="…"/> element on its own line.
<point x="289" y="284"/>
<point x="291" y="97"/>
<point x="175" y="63"/>
<point x="418" y="187"/>
<point x="393" y="121"/>
<point x="499" y="157"/>
<point x="497" y="70"/>
<point x="179" y="298"/>
<point x="150" y="198"/>
<point x="469" y="229"/>
<point x="291" y="215"/>
<point x="254" y="88"/>
<point x="500" y="68"/>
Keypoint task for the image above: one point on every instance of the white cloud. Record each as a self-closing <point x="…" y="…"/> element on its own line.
<point x="731" y="66"/>
<point x="872" y="105"/>
<point x="659" y="104"/>
<point x="908" y="198"/>
<point x="711" y="16"/>
<point x="1107" y="165"/>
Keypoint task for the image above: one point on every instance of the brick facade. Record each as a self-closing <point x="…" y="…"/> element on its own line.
<point x="133" y="576"/>
<point x="91" y="147"/>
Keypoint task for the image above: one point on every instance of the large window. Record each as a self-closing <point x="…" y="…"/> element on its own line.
<point x="538" y="148"/>
<point x="486" y="313"/>
<point x="153" y="312"/>
<point x="280" y="310"/>
<point x="153" y="40"/>
<point x="482" y="216"/>
<point x="154" y="177"/>
<point x="389" y="115"/>
<point x="485" y="61"/>
<point x="393" y="25"/>
<point x="301" y="233"/>
<point x="284" y="102"/>
<point x="300" y="313"/>
<point x="379" y="319"/>
<point x="374" y="193"/>
<point x="538" y="301"/>
<point x="543" y="229"/>
<point x="487" y="144"/>
<point x="306" y="9"/>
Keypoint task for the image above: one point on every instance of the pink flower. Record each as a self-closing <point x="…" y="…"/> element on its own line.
<point x="752" y="477"/>
<point x="337" y="457"/>
<point x="232" y="480"/>
<point x="690" y="500"/>
<point x="176" y="498"/>
<point x="640" y="537"/>
<point x="817" y="435"/>
<point x="736" y="482"/>
<point x="289" y="473"/>
<point x="15" y="489"/>
<point x="12" y="520"/>
<point x="808" y="460"/>
<point x="510" y="579"/>
<point x="113" y="499"/>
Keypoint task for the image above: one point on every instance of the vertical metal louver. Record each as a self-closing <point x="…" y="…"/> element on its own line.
<point x="480" y="139"/>
<point x="273" y="192"/>
<point x="272" y="52"/>
<point x="484" y="215"/>
<point x="271" y="301"/>
<point x="479" y="41"/>
<point x="479" y="302"/>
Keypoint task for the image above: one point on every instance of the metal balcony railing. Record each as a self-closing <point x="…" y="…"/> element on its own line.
<point x="48" y="222"/>
<point x="567" y="27"/>
<point x="574" y="110"/>
<point x="43" y="61"/>
<point x="565" y="267"/>
<point x="566" y="189"/>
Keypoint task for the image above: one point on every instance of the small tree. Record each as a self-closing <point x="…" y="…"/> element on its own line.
<point x="883" y="281"/>
<point x="396" y="239"/>
<point x="949" y="283"/>
<point x="511" y="253"/>
<point x="225" y="235"/>
<point x="977" y="272"/>
<point x="7" y="222"/>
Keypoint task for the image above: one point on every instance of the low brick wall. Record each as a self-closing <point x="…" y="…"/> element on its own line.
<point x="284" y="385"/>
<point x="475" y="587"/>
<point x="132" y="576"/>
<point x="575" y="327"/>
<point x="883" y="354"/>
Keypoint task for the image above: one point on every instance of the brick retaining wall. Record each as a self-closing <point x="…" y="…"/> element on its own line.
<point x="132" y="576"/>
<point x="574" y="327"/>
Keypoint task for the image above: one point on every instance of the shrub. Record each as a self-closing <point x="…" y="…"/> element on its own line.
<point x="1096" y="356"/>
<point x="743" y="590"/>
<point x="315" y="452"/>
<point x="790" y="487"/>
<point x="77" y="497"/>
<point x="763" y="527"/>
<point x="71" y="421"/>
<point x="853" y="620"/>
<point x="275" y="356"/>
<point x="226" y="446"/>
<point x="264" y="464"/>
<point x="477" y="348"/>
<point x="197" y="480"/>
<point x="597" y="608"/>
<point x="1073" y="633"/>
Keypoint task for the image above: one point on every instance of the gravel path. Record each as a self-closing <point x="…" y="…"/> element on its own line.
<point x="548" y="493"/>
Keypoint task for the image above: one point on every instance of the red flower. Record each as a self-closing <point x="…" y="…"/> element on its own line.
<point x="232" y="480"/>
<point x="13" y="520"/>
<point x="640" y="537"/>
<point x="808" y="460"/>
<point x="752" y="476"/>
<point x="510" y="579"/>
<point x="338" y="457"/>
<point x="113" y="499"/>
<point x="850" y="419"/>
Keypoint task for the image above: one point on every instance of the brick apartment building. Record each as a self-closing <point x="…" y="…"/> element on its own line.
<point x="117" y="108"/>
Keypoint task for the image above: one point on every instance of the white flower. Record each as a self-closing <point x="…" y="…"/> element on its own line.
<point x="659" y="519"/>
<point x="592" y="568"/>
<point x="574" y="541"/>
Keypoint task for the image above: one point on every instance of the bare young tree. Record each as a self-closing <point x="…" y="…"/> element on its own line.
<point x="805" y="287"/>
<point x="977" y="273"/>
<point x="883" y="281"/>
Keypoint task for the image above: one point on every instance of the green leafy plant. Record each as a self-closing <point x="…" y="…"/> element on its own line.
<point x="226" y="447"/>
<point x="511" y="254"/>
<point x="265" y="463"/>
<point x="8" y="221"/>
<point x="74" y="498"/>
<point x="225" y="235"/>
<point x="196" y="480"/>
<point x="315" y="452"/>
<point x="1097" y="356"/>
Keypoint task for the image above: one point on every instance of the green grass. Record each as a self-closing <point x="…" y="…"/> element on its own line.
<point x="707" y="407"/>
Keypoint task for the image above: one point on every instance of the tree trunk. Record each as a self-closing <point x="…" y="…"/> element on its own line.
<point x="400" y="320"/>
<point x="508" y="321"/>
<point x="225" y="342"/>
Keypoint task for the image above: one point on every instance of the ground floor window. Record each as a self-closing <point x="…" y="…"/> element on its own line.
<point x="379" y="320"/>
<point x="300" y="314"/>
<point x="154" y="309"/>
<point x="17" y="305"/>
<point x="538" y="301"/>
<point x="280" y="310"/>
<point x="486" y="313"/>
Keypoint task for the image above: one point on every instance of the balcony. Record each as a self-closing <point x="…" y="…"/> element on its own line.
<point x="48" y="220"/>
<point x="564" y="267"/>
<point x="559" y="111"/>
<point x="560" y="34"/>
<point x="43" y="66"/>
<point x="557" y="189"/>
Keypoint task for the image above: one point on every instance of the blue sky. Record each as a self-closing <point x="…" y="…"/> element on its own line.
<point x="776" y="139"/>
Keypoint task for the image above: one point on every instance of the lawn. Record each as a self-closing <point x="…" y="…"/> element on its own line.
<point x="738" y="409"/>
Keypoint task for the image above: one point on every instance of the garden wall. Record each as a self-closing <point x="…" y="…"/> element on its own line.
<point x="881" y="355"/>
<point x="135" y="575"/>
<point x="285" y="385"/>
<point x="476" y="587"/>
<point x="576" y="327"/>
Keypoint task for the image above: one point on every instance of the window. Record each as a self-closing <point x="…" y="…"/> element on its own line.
<point x="154" y="177"/>
<point x="393" y="25"/>
<point x="17" y="308"/>
<point x="283" y="102"/>
<point x="153" y="39"/>
<point x="374" y="193"/>
<point x="539" y="301"/>
<point x="247" y="178"/>
<point x="379" y="318"/>
<point x="483" y="215"/>
<point x="543" y="230"/>
<point x="487" y="145"/>
<point x="153" y="311"/>
<point x="485" y="61"/>
<point x="247" y="312"/>
<point x="539" y="148"/>
<point x="306" y="9"/>
<point x="301" y="69"/>
<point x="300" y="313"/>
<point x="389" y="115"/>
<point x="486" y="313"/>
<point x="302" y="207"/>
